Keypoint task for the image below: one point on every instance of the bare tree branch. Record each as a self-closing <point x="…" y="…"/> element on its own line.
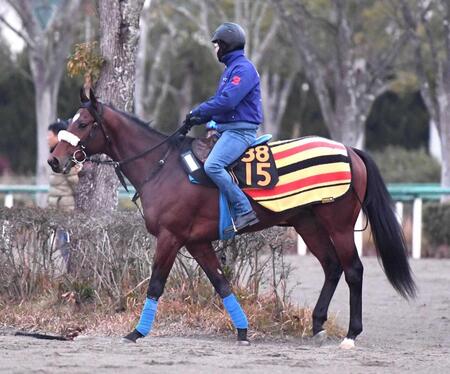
<point x="384" y="64"/>
<point x="446" y="26"/>
<point x="425" y="83"/>
<point x="296" y="23"/>
<point x="23" y="36"/>
<point x="267" y="41"/>
<point x="23" y="9"/>
<point x="217" y="9"/>
<point x="258" y="12"/>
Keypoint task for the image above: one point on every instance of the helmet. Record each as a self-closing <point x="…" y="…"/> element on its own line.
<point x="230" y="34"/>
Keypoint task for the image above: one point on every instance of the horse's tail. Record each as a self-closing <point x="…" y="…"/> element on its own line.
<point x="386" y="230"/>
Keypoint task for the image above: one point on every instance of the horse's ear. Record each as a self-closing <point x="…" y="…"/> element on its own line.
<point x="93" y="98"/>
<point x="83" y="97"/>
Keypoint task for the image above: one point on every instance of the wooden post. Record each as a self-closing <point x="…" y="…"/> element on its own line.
<point x="9" y="200"/>
<point x="417" y="228"/>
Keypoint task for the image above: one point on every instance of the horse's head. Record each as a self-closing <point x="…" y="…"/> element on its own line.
<point x="85" y="136"/>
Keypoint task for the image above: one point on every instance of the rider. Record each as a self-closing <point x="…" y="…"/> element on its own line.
<point x="235" y="111"/>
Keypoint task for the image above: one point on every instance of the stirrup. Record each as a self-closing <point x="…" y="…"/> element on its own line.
<point x="251" y="220"/>
<point x="231" y="228"/>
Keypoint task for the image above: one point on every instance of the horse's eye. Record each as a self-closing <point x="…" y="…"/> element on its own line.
<point x="82" y="125"/>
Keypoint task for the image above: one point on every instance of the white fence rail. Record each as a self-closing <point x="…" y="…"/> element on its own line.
<point x="400" y="193"/>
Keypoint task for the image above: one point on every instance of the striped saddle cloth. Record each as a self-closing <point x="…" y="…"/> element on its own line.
<point x="310" y="170"/>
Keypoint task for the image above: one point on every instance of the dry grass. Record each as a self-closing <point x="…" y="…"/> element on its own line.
<point x="176" y="316"/>
<point x="101" y="289"/>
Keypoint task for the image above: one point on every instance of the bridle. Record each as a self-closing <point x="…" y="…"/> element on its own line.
<point x="83" y="143"/>
<point x="97" y="114"/>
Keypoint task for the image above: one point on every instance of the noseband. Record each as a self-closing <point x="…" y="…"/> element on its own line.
<point x="75" y="141"/>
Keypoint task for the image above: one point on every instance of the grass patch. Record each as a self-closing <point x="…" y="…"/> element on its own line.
<point x="176" y="316"/>
<point x="95" y="283"/>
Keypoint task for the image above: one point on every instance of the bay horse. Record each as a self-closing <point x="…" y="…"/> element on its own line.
<point x="179" y="213"/>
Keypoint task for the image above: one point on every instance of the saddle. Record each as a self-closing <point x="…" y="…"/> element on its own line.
<point x="281" y="175"/>
<point x="254" y="169"/>
<point x="201" y="147"/>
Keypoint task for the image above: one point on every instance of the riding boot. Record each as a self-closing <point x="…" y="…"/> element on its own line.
<point x="243" y="221"/>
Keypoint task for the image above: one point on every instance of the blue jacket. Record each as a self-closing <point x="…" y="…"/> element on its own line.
<point x="238" y="96"/>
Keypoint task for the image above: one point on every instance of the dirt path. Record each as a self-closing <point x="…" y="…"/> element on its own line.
<point x="398" y="337"/>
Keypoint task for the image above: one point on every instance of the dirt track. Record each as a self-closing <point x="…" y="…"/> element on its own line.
<point x="398" y="337"/>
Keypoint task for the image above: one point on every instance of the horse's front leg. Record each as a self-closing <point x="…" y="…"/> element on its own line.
<point x="207" y="259"/>
<point x="164" y="257"/>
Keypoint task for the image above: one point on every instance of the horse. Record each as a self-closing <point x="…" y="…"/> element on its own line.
<point x="179" y="213"/>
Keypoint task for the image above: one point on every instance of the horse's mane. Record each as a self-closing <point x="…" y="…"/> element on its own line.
<point x="137" y="121"/>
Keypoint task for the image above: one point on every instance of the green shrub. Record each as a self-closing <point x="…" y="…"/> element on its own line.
<point x="398" y="165"/>
<point x="436" y="217"/>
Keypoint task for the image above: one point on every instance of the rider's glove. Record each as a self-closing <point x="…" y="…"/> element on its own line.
<point x="193" y="119"/>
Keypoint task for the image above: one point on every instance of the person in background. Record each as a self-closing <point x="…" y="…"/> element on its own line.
<point x="61" y="193"/>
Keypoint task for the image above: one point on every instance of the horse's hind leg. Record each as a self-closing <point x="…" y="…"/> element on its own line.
<point x="207" y="259"/>
<point x="353" y="270"/>
<point x="341" y="233"/>
<point x="320" y="245"/>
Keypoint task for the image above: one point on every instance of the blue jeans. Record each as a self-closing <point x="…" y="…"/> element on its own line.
<point x="231" y="145"/>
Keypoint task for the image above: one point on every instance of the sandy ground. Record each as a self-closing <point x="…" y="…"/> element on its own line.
<point x="398" y="337"/>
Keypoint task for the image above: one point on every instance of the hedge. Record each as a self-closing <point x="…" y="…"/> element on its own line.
<point x="399" y="165"/>
<point x="112" y="255"/>
<point x="436" y="223"/>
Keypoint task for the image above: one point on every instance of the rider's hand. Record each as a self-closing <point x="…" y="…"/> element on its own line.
<point x="193" y="119"/>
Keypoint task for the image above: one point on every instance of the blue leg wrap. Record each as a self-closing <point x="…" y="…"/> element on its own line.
<point x="147" y="316"/>
<point x="235" y="311"/>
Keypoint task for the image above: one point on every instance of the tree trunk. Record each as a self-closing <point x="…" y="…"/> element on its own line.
<point x="45" y="107"/>
<point x="141" y="60"/>
<point x="48" y="38"/>
<point x="119" y="36"/>
<point x="45" y="102"/>
<point x="437" y="100"/>
<point x="275" y="93"/>
<point x="443" y="98"/>
<point x="348" y="124"/>
<point x="434" y="142"/>
<point x="439" y="109"/>
<point x="345" y="87"/>
<point x="185" y="94"/>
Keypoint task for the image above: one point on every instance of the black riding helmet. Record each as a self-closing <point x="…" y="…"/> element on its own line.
<point x="230" y="37"/>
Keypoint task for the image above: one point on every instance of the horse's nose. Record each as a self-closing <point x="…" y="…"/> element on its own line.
<point x="54" y="163"/>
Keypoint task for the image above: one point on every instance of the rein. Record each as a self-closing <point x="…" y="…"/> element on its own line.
<point x="97" y="115"/>
<point x="118" y="164"/>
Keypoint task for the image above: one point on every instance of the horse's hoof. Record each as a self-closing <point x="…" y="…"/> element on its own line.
<point x="125" y="340"/>
<point x="132" y="337"/>
<point x="347" y="344"/>
<point x="320" y="338"/>
<point x="243" y="343"/>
